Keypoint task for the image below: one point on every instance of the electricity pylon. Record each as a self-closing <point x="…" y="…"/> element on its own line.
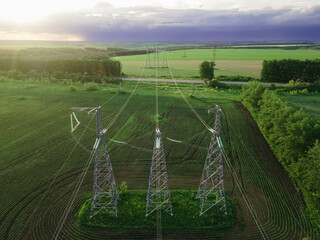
<point x="165" y="59"/>
<point x="155" y="56"/>
<point x="105" y="193"/>
<point x="211" y="189"/>
<point x="158" y="196"/>
<point x="213" y="53"/>
<point x="184" y="51"/>
<point x="148" y="61"/>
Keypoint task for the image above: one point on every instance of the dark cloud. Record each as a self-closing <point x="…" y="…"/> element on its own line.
<point x="106" y="23"/>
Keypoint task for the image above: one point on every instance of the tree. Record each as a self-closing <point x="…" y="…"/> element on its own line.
<point x="252" y="95"/>
<point x="207" y="70"/>
<point x="309" y="168"/>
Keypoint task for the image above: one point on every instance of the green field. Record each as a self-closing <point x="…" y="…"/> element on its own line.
<point x="309" y="103"/>
<point x="185" y="64"/>
<point x="128" y="45"/>
<point x="36" y="141"/>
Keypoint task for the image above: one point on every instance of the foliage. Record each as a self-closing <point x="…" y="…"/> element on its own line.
<point x="123" y="187"/>
<point x="237" y="78"/>
<point x="91" y="87"/>
<point x="309" y="103"/>
<point x="216" y="84"/>
<point x="308" y="168"/>
<point x="302" y="87"/>
<point x="72" y="89"/>
<point x="132" y="211"/>
<point x="58" y="77"/>
<point x="21" y="132"/>
<point x="206" y="70"/>
<point x="290" y="69"/>
<point x="290" y="133"/>
<point x="98" y="67"/>
<point x="252" y="95"/>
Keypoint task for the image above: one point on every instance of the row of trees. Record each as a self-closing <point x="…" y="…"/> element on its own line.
<point x="98" y="67"/>
<point x="290" y="69"/>
<point x="294" y="137"/>
<point x="58" y="77"/>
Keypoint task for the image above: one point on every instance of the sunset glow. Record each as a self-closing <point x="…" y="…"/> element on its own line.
<point x="175" y="20"/>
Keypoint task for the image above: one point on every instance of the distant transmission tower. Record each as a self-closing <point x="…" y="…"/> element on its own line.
<point x="213" y="53"/>
<point x="105" y="193"/>
<point x="211" y="189"/>
<point x="155" y="56"/>
<point x="165" y="59"/>
<point x="195" y="91"/>
<point x="158" y="196"/>
<point x="148" y="61"/>
<point x="184" y="51"/>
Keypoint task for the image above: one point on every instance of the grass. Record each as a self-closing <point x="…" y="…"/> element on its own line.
<point x="17" y="45"/>
<point x="309" y="103"/>
<point x="36" y="141"/>
<point x="132" y="214"/>
<point x="231" y="55"/>
<point x="246" y="62"/>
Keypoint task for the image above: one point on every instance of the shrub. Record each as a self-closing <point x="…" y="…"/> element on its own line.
<point x="91" y="87"/>
<point x="72" y="89"/>
<point x="290" y="133"/>
<point x="123" y="187"/>
<point x="237" y="78"/>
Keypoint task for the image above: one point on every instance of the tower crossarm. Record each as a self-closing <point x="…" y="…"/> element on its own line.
<point x="211" y="188"/>
<point x="105" y="193"/>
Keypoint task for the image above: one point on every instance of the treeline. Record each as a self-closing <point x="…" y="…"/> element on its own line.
<point x="98" y="67"/>
<point x="294" y="137"/>
<point x="113" y="52"/>
<point x="44" y="53"/>
<point x="290" y="69"/>
<point x="57" y="77"/>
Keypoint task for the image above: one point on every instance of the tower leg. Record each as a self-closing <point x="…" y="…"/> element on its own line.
<point x="105" y="193"/>
<point x="211" y="189"/>
<point x="158" y="196"/>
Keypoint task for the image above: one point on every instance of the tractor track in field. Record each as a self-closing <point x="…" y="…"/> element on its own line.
<point x="282" y="219"/>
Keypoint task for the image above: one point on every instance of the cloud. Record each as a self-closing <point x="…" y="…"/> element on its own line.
<point x="105" y="22"/>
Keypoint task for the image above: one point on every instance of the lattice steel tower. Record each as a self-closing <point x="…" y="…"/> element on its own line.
<point x="148" y="61"/>
<point x="211" y="189"/>
<point x="105" y="193"/>
<point x="158" y="196"/>
<point x="165" y="59"/>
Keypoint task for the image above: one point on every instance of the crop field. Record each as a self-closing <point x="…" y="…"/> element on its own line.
<point x="36" y="141"/>
<point x="186" y="63"/>
<point x="309" y="103"/>
<point x="105" y="44"/>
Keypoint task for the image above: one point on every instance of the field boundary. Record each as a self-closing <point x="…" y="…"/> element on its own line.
<point x="193" y="81"/>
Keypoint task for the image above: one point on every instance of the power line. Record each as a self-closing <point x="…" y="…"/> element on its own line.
<point x="189" y="104"/>
<point x="157" y="98"/>
<point x="259" y="225"/>
<point x="245" y="198"/>
<point x="211" y="189"/>
<point x="57" y="232"/>
<point x="125" y="104"/>
<point x="51" y="184"/>
<point x="73" y="196"/>
<point x="263" y="172"/>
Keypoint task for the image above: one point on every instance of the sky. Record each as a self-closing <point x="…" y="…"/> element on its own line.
<point x="160" y="20"/>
